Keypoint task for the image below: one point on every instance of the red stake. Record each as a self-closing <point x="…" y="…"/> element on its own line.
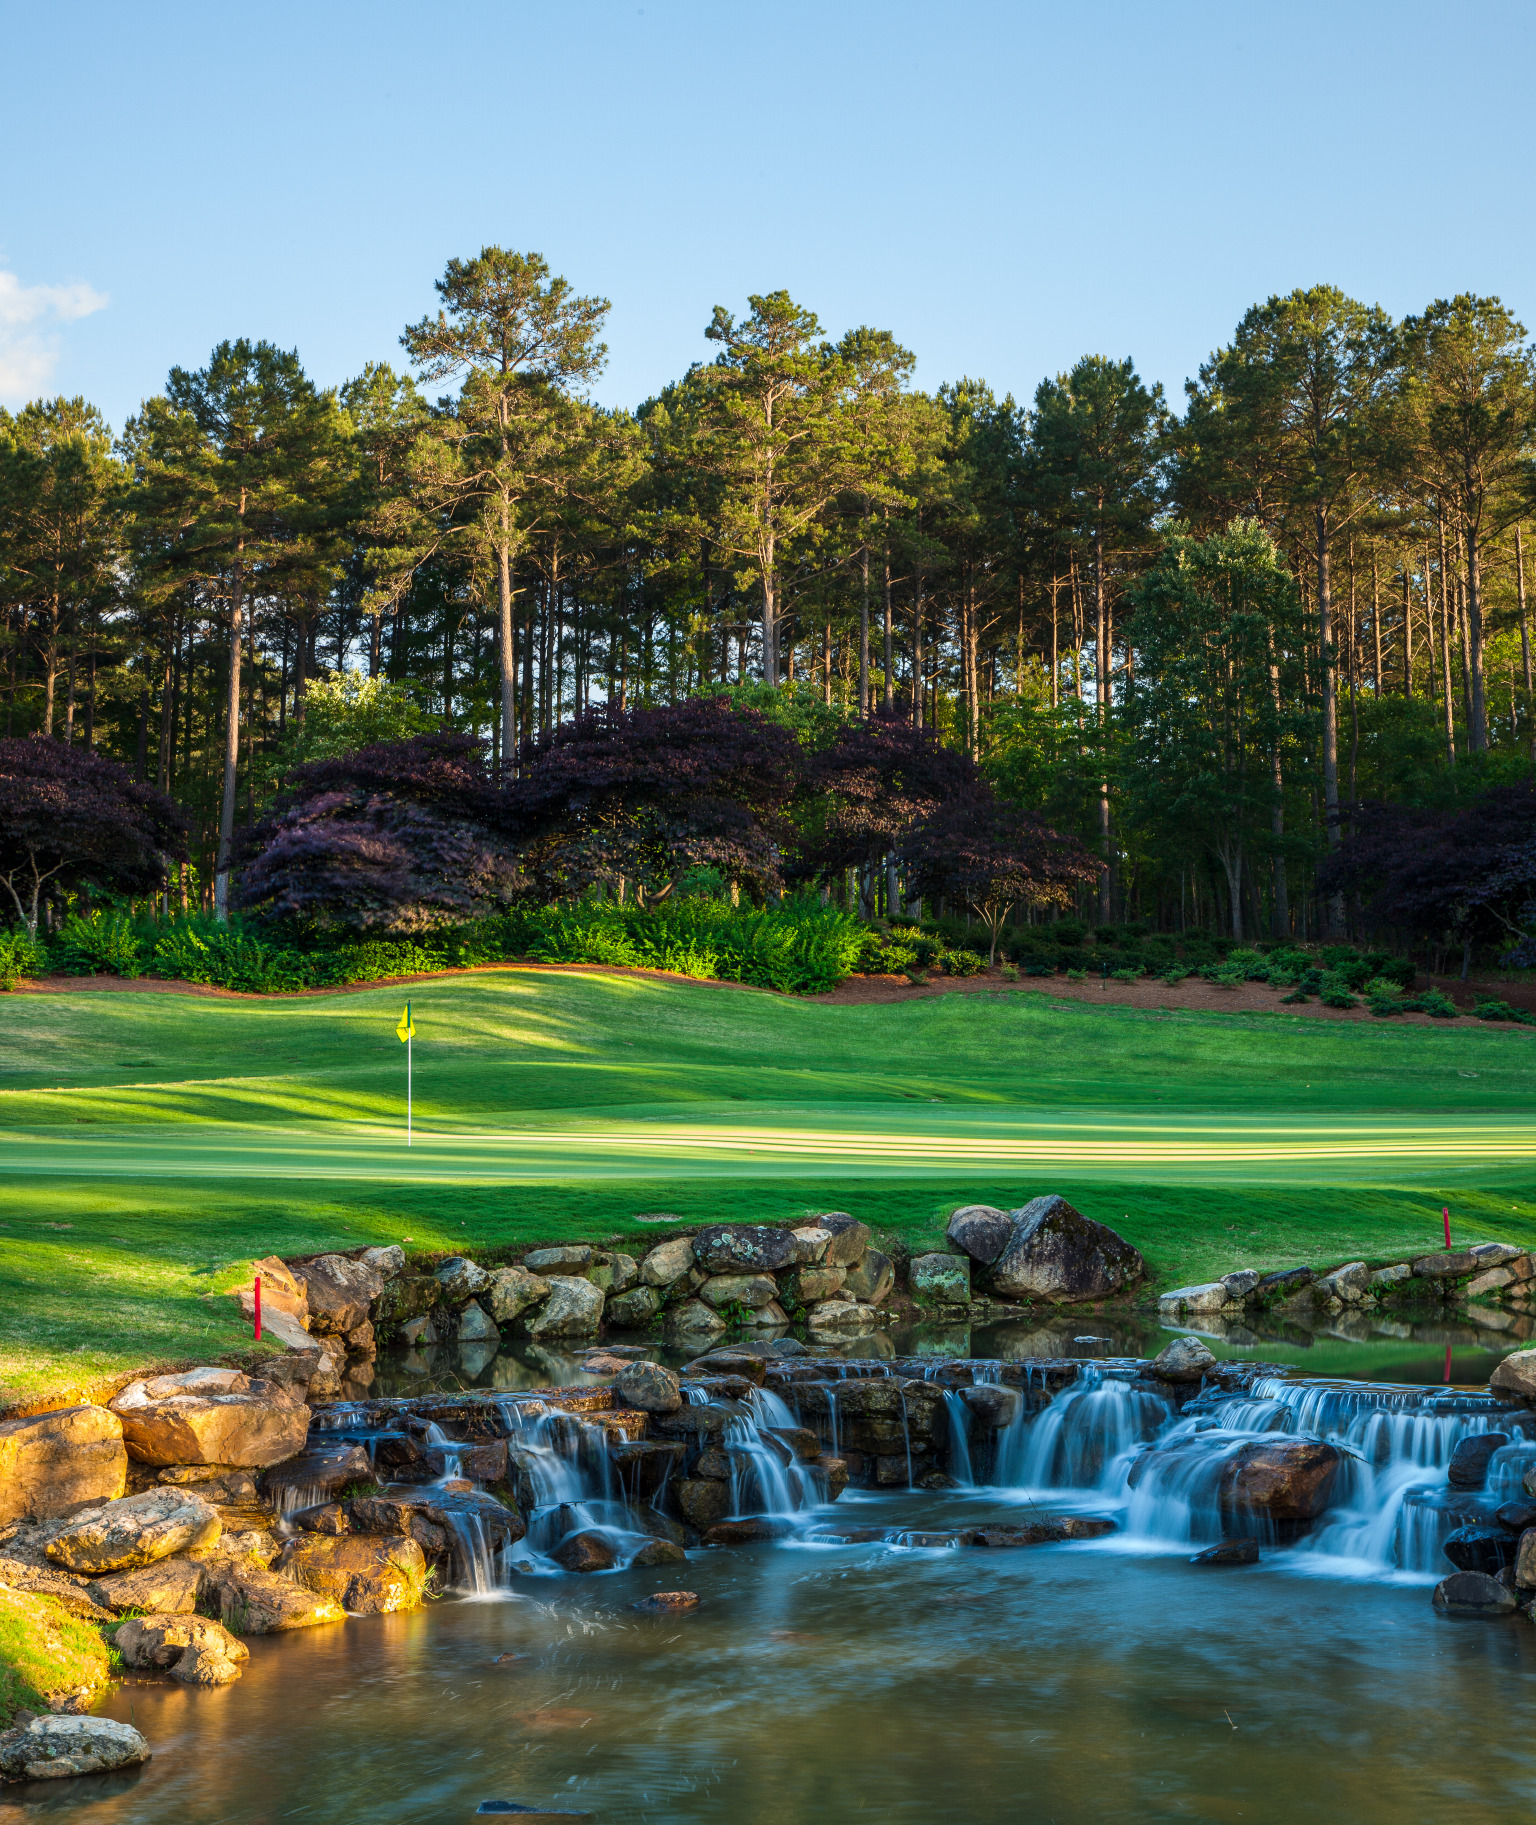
<point x="258" y="1308"/>
<point x="1447" y="1365"/>
<point x="1445" y="1211"/>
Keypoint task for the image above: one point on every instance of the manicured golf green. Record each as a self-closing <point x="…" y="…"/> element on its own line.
<point x="150" y="1144"/>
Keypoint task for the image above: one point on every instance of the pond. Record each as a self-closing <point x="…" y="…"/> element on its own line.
<point x="1096" y="1680"/>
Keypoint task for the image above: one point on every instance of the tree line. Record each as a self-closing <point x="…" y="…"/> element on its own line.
<point x="1194" y="641"/>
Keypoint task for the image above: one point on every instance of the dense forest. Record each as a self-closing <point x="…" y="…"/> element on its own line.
<point x="1218" y="646"/>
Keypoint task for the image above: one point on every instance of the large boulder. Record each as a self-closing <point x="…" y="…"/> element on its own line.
<point x="316" y="1475"/>
<point x="1446" y="1264"/>
<point x="189" y="1381"/>
<point x="136" y="1531"/>
<point x="367" y="1576"/>
<point x="169" y="1587"/>
<point x="405" y="1298"/>
<point x="1481" y="1549"/>
<point x="1473" y="1594"/>
<point x="461" y="1279"/>
<point x="701" y="1501"/>
<point x="512" y="1291"/>
<point x="693" y="1320"/>
<point x="476" y="1325"/>
<point x="981" y="1230"/>
<point x="806" y="1285"/>
<point x="252" y="1600"/>
<point x="571" y="1258"/>
<point x="244" y="1429"/>
<point x="871" y="1278"/>
<point x="850" y="1237"/>
<point x="811" y="1243"/>
<point x="281" y="1291"/>
<point x="1203" y="1297"/>
<point x="837" y="1317"/>
<point x="52" y="1462"/>
<point x="1468" y="1468"/>
<point x="56" y="1748"/>
<point x="193" y="1649"/>
<point x="749" y="1290"/>
<point x="1350" y="1284"/>
<point x="667" y="1262"/>
<point x="436" y="1519"/>
<point x="744" y="1248"/>
<point x="1287" y="1479"/>
<point x="387" y="1261"/>
<point x="634" y="1310"/>
<point x="649" y="1386"/>
<point x="339" y="1293"/>
<point x="941" y="1279"/>
<point x="1516" y="1375"/>
<point x="1055" y="1253"/>
<point x="1185" y="1359"/>
<point x="574" y="1308"/>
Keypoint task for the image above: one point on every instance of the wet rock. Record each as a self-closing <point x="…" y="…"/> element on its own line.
<point x="1349" y="1284"/>
<point x="406" y="1297"/>
<point x="811" y="1244"/>
<point x="744" y="1360"/>
<point x="744" y="1248"/>
<point x="1185" y="1359"/>
<point x="477" y="1326"/>
<point x="1516" y="1375"/>
<point x="649" y="1386"/>
<point x="1286" y="1479"/>
<point x="941" y="1279"/>
<point x="339" y="1293"/>
<point x="317" y="1475"/>
<point x="573" y="1258"/>
<point x="658" y="1552"/>
<point x="668" y="1603"/>
<point x="770" y="1317"/>
<point x="693" y="1320"/>
<point x="1468" y="1468"/>
<point x="994" y="1405"/>
<point x="634" y="1310"/>
<point x="587" y="1551"/>
<point x="52" y="1462"/>
<point x="981" y="1231"/>
<point x="513" y="1291"/>
<point x="530" y="1815"/>
<point x="323" y="1518"/>
<point x="135" y="1531"/>
<point x="574" y="1308"/>
<point x="808" y="1285"/>
<point x="1525" y="1560"/>
<point x="834" y="1472"/>
<point x="367" y="1576"/>
<point x="1206" y="1296"/>
<point x="159" y="1644"/>
<point x="435" y="1518"/>
<point x="58" y="1748"/>
<point x="697" y="1424"/>
<point x="667" y="1262"/>
<point x="850" y="1238"/>
<point x="1006" y="1535"/>
<point x="701" y="1501"/>
<point x="1481" y="1549"/>
<point x="1056" y="1253"/>
<point x="169" y="1587"/>
<point x="802" y="1444"/>
<point x="1495" y="1254"/>
<point x="1516" y="1516"/>
<point x="1229" y="1552"/>
<point x="1445" y="1265"/>
<point x="1240" y="1284"/>
<point x="461" y="1280"/>
<point x="748" y="1531"/>
<point x="750" y="1290"/>
<point x="251" y="1600"/>
<point x="241" y="1429"/>
<point x="871" y="1279"/>
<point x="1473" y="1594"/>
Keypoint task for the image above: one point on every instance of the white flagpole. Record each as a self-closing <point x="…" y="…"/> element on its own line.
<point x="408" y="1039"/>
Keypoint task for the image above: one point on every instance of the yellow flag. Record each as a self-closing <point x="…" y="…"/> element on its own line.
<point x="407" y="1028"/>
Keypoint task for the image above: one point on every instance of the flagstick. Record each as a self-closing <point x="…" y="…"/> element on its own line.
<point x="408" y="1090"/>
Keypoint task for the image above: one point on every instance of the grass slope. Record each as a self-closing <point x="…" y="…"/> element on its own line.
<point x="150" y="1143"/>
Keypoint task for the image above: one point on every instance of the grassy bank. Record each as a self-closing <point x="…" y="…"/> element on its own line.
<point x="151" y="1143"/>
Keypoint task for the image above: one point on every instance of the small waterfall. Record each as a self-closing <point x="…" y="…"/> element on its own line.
<point x="1082" y="1439"/>
<point x="959" y="1439"/>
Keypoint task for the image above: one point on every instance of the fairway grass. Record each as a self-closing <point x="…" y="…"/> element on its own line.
<point x="150" y="1145"/>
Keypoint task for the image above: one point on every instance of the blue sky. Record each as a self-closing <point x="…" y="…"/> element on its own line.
<point x="1004" y="187"/>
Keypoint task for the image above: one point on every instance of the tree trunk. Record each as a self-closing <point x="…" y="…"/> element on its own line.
<point x="1330" y="711"/>
<point x="917" y="652"/>
<point x="1407" y="633"/>
<point x="1479" y="735"/>
<point x="864" y="634"/>
<point x="889" y="698"/>
<point x="1281" y="922"/>
<point x="1445" y="646"/>
<point x="1525" y="637"/>
<point x="1101" y="693"/>
<point x="231" y="734"/>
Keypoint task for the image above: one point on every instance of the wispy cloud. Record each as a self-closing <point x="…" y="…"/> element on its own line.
<point x="29" y="344"/>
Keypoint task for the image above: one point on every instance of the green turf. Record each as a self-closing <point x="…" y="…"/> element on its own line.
<point x="177" y="1136"/>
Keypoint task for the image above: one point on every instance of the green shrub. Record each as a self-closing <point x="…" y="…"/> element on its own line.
<point x="1175" y="974"/>
<point x="20" y="956"/>
<point x="1008" y="973"/>
<point x="1338" y="998"/>
<point x="1501" y="1010"/>
<point x="1126" y="975"/>
<point x="1226" y="975"/>
<point x="963" y="963"/>
<point x="226" y="957"/>
<point x="1077" y="975"/>
<point x="104" y="944"/>
<point x="1433" y="1003"/>
<point x="1383" y="997"/>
